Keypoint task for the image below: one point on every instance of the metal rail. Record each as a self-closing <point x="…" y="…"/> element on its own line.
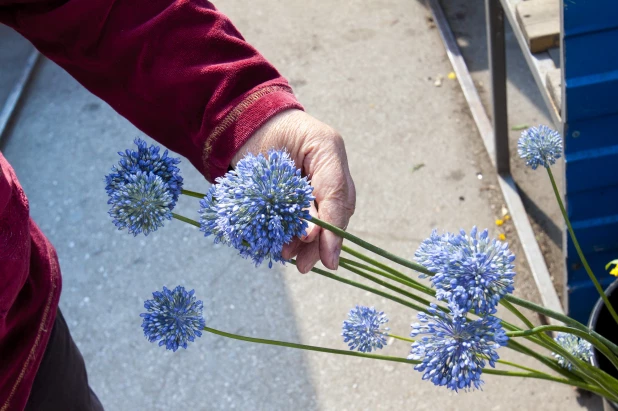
<point x="495" y="136"/>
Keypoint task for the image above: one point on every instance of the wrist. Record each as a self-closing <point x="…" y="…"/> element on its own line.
<point x="280" y="131"/>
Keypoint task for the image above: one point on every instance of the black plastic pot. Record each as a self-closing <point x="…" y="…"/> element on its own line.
<point x="602" y="322"/>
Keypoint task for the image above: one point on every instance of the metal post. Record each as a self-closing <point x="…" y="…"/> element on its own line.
<point x="497" y="68"/>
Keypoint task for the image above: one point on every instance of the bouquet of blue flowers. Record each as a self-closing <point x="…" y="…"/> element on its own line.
<point x="264" y="204"/>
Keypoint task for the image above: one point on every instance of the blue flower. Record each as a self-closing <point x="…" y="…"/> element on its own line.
<point x="578" y="347"/>
<point x="209" y="219"/>
<point x="454" y="350"/>
<point x="259" y="207"/>
<point x="539" y="146"/>
<point x="173" y="317"/>
<point x="148" y="160"/>
<point x="473" y="273"/>
<point x="362" y="329"/>
<point x="141" y="204"/>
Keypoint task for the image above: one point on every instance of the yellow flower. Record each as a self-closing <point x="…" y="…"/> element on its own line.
<point x="501" y="237"/>
<point x="499" y="222"/>
<point x="614" y="271"/>
<point x="452" y="75"/>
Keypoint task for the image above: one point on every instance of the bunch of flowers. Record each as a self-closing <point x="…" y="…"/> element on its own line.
<point x="264" y="204"/>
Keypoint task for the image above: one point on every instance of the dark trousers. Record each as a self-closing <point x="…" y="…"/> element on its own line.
<point x="61" y="384"/>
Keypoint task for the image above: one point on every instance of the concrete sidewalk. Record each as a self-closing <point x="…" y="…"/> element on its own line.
<point x="368" y="69"/>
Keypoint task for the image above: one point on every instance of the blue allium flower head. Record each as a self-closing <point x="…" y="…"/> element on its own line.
<point x="258" y="207"/>
<point x="141" y="203"/>
<point x="539" y="146"/>
<point x="362" y="330"/>
<point x="174" y="318"/>
<point x="578" y="347"/>
<point x="148" y="160"/>
<point x="209" y="219"/>
<point x="454" y="350"/>
<point x="472" y="271"/>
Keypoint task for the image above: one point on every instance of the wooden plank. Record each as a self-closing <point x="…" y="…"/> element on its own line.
<point x="554" y="87"/>
<point x="539" y="63"/>
<point x="540" y="22"/>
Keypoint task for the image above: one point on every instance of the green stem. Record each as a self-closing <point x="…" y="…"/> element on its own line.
<point x="543" y="376"/>
<point x="582" y="369"/>
<point x="548" y="362"/>
<point x="362" y="243"/>
<point x="536" y="375"/>
<point x="510" y="298"/>
<point x="308" y="347"/>
<point x="378" y="281"/>
<point x="185" y="219"/>
<point x="560" y="317"/>
<point x="576" y="374"/>
<point x="593" y="278"/>
<point x="192" y="194"/>
<point x="505" y="301"/>
<point x="521" y="367"/>
<point x="517" y="313"/>
<point x="600" y="377"/>
<point x="365" y="287"/>
<point x="195" y="223"/>
<point x="417" y="284"/>
<point x="382" y="273"/>
<point x="349" y="265"/>
<point x="401" y="279"/>
<point x="581" y="334"/>
<point x="511" y="364"/>
<point x="398" y="337"/>
<point x="377" y="250"/>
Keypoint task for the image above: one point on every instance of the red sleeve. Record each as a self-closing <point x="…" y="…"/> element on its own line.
<point x="177" y="69"/>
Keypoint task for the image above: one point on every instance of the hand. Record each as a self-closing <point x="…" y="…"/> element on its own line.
<point x="319" y="152"/>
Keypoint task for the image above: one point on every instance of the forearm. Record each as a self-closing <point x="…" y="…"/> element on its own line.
<point x="178" y="70"/>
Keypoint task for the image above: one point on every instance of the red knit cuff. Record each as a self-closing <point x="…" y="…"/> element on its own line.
<point x="240" y="124"/>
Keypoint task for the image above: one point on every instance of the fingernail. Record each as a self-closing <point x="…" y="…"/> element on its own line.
<point x="336" y="258"/>
<point x="310" y="227"/>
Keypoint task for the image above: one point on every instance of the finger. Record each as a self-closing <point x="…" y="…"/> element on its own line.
<point x="312" y="230"/>
<point x="335" y="199"/>
<point x="334" y="193"/>
<point x="290" y="250"/>
<point x="330" y="243"/>
<point x="308" y="256"/>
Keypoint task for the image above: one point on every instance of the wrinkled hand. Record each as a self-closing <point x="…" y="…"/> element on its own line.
<point x="319" y="152"/>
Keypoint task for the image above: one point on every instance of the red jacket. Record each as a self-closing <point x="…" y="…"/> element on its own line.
<point x="179" y="71"/>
